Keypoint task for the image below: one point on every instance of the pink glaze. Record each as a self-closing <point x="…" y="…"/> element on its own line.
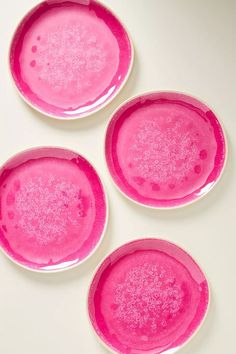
<point x="165" y="149"/>
<point x="52" y="208"/>
<point x="147" y="297"/>
<point x="68" y="58"/>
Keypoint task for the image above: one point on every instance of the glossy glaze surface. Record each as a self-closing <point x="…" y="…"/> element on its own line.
<point x="165" y="149"/>
<point x="68" y="58"/>
<point x="148" y="297"/>
<point x="53" y="208"/>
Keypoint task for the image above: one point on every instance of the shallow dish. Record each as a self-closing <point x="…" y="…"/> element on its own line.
<point x="147" y="297"/>
<point x="53" y="209"/>
<point x="68" y="59"/>
<point x="165" y="149"/>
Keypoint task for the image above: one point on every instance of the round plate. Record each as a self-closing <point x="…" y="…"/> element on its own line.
<point x="148" y="297"/>
<point x="70" y="58"/>
<point x="165" y="149"/>
<point x="53" y="209"/>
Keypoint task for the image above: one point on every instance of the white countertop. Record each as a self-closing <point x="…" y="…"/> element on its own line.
<point x="183" y="45"/>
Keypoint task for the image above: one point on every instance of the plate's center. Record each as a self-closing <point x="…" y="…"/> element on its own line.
<point x="148" y="300"/>
<point x="47" y="209"/>
<point x="69" y="57"/>
<point x="166" y="150"/>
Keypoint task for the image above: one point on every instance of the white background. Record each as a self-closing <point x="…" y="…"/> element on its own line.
<point x="185" y="45"/>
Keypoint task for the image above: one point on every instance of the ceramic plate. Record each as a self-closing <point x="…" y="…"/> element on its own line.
<point x="53" y="209"/>
<point x="165" y="149"/>
<point x="148" y="297"/>
<point x="70" y="58"/>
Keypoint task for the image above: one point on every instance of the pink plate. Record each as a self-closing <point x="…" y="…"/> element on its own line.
<point x="165" y="149"/>
<point x="53" y="209"/>
<point x="70" y="58"/>
<point x="148" y="297"/>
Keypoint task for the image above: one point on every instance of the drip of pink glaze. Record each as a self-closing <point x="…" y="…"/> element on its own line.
<point x="165" y="149"/>
<point x="147" y="297"/>
<point x="53" y="208"/>
<point x="83" y="56"/>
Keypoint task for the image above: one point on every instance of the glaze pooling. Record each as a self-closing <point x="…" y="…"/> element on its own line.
<point x="68" y="59"/>
<point x="163" y="149"/>
<point x="49" y="209"/>
<point x="149" y="296"/>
